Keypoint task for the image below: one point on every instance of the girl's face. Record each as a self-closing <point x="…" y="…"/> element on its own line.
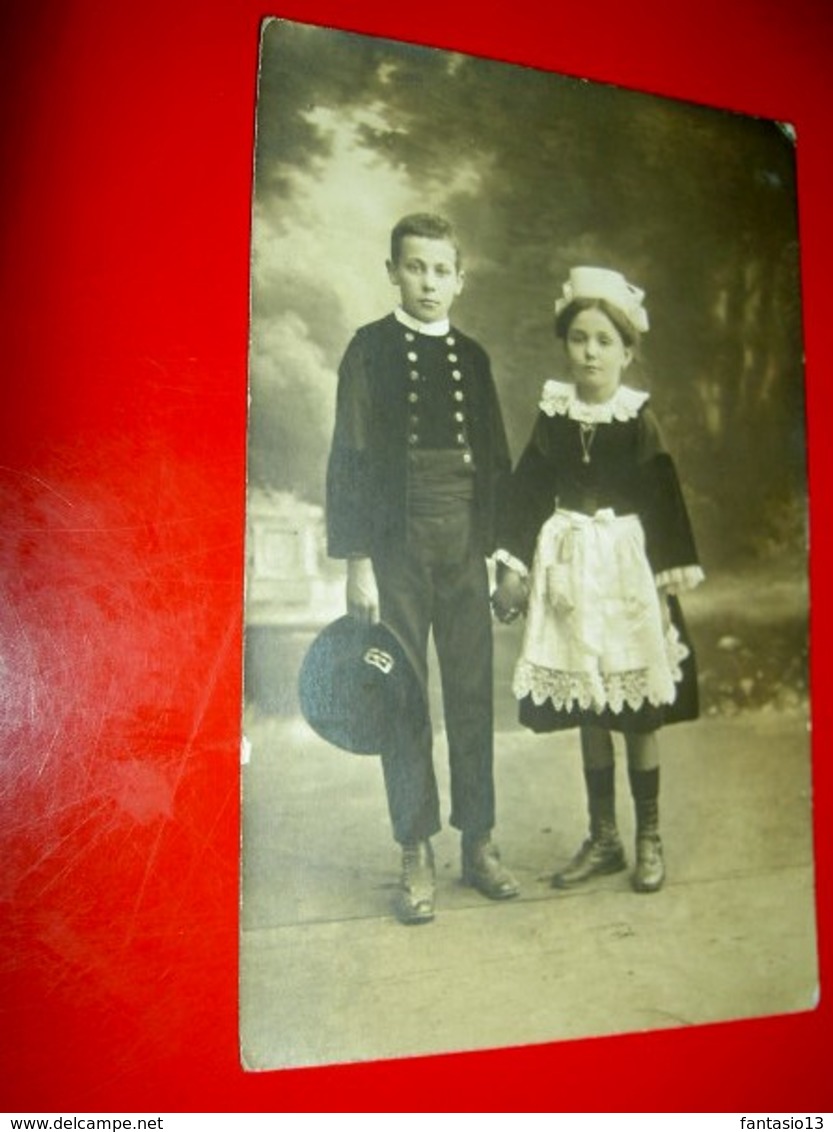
<point x="597" y="355"/>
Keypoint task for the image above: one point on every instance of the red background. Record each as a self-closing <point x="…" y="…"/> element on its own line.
<point x="126" y="135"/>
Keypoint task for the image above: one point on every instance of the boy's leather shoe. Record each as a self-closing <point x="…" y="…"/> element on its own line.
<point x="483" y="870"/>
<point x="649" y="873"/>
<point x="597" y="857"/>
<point x="415" y="899"/>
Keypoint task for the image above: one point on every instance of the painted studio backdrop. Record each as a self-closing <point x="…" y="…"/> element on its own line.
<point x="538" y="172"/>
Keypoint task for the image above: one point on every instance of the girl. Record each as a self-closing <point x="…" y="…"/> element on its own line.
<point x="596" y="506"/>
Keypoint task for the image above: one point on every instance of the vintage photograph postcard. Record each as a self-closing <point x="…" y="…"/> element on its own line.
<point x="527" y="727"/>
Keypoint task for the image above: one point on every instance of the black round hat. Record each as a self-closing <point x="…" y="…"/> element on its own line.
<point x="357" y="688"/>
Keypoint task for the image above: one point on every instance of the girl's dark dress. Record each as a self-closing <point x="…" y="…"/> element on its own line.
<point x="595" y="504"/>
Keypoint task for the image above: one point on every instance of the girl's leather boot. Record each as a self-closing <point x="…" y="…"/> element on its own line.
<point x="649" y="872"/>
<point x="602" y="853"/>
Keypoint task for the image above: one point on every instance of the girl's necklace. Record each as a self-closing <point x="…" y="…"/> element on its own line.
<point x="587" y="434"/>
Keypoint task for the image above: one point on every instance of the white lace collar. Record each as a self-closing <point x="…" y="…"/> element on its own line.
<point x="559" y="399"/>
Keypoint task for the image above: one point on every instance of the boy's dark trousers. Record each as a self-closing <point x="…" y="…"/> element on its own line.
<point x="438" y="580"/>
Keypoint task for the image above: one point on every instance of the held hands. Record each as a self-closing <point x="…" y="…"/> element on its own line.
<point x="511" y="597"/>
<point x="362" y="591"/>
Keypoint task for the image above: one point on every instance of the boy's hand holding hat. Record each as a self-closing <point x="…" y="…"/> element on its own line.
<point x="362" y="591"/>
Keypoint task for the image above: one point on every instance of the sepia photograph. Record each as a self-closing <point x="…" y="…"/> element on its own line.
<point x="526" y="713"/>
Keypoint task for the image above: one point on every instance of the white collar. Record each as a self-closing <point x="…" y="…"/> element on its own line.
<point x="559" y="399"/>
<point x="432" y="329"/>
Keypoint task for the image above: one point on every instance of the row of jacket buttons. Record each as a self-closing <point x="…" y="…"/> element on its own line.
<point x="458" y="396"/>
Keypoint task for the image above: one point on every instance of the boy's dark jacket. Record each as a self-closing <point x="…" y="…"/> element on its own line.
<point x="367" y="474"/>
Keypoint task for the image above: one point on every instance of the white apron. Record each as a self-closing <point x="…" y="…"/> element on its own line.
<point x="597" y="634"/>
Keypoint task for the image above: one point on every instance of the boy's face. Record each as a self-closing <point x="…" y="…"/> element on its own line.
<point x="427" y="276"/>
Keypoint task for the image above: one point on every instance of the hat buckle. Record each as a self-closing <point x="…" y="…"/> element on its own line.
<point x="379" y="659"/>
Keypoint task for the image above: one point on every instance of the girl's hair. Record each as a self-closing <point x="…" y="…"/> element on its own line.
<point x="563" y="321"/>
<point x="427" y="224"/>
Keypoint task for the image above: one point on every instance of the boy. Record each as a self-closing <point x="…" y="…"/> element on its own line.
<point x="418" y="449"/>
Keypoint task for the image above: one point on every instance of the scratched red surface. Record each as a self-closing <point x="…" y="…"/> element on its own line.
<point x="126" y="134"/>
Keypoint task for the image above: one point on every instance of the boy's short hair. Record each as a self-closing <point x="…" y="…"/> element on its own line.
<point x="427" y="224"/>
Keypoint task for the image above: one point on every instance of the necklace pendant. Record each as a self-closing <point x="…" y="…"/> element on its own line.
<point x="586" y="434"/>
